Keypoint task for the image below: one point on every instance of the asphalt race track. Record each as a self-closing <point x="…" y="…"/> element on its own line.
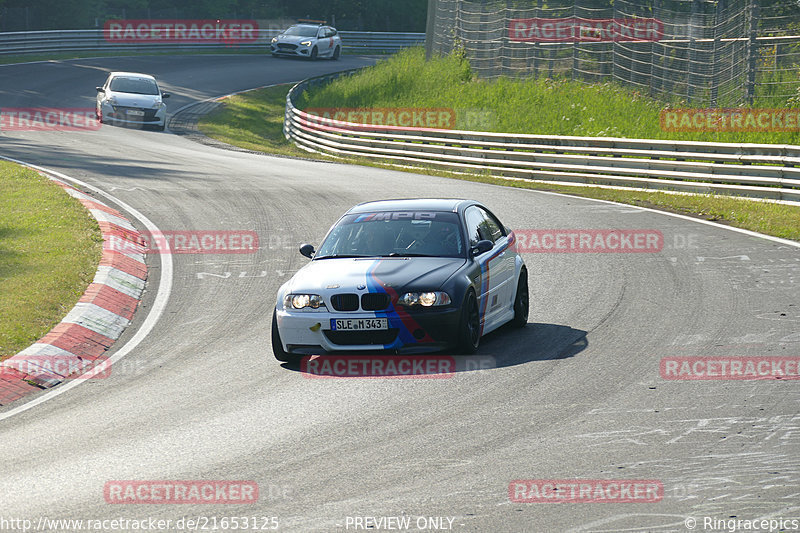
<point x="576" y="395"/>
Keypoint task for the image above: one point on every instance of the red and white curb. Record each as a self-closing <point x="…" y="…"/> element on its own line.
<point x="96" y="321"/>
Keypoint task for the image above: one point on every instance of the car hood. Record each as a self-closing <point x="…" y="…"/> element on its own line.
<point x="135" y="100"/>
<point x="294" y="39"/>
<point x="397" y="273"/>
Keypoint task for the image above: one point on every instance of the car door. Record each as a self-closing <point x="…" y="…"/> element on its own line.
<point x="503" y="268"/>
<point x="101" y="95"/>
<point x="323" y="41"/>
<point x="489" y="282"/>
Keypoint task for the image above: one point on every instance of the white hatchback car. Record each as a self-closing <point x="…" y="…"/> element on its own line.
<point x="307" y="40"/>
<point x="131" y="98"/>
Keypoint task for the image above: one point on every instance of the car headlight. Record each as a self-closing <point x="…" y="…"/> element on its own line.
<point x="112" y="100"/>
<point x="301" y="301"/>
<point x="306" y="43"/>
<point x="156" y="104"/>
<point x="274" y="39"/>
<point x="425" y="299"/>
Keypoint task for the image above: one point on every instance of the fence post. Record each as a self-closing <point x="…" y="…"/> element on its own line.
<point x="506" y="51"/>
<point x="691" y="80"/>
<point x="752" y="52"/>
<point x="715" y="54"/>
<point x="614" y="47"/>
<point x="574" y="42"/>
<point x="430" y="28"/>
<point x="536" y="48"/>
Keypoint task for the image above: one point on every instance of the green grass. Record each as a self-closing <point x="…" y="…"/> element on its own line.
<point x="534" y="106"/>
<point x="49" y="250"/>
<point x="253" y="120"/>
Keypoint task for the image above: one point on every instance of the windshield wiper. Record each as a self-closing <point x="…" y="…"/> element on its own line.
<point x="406" y="254"/>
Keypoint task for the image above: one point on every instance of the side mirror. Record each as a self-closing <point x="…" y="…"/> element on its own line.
<point x="307" y="250"/>
<point x="164" y="95"/>
<point x="100" y="89"/>
<point x="482" y="247"/>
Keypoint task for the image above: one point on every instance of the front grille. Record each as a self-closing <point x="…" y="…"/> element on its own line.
<point x="343" y="338"/>
<point x="374" y="301"/>
<point x="345" y="301"/>
<point x="286" y="46"/>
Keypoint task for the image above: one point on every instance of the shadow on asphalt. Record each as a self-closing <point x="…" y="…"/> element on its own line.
<point x="503" y="347"/>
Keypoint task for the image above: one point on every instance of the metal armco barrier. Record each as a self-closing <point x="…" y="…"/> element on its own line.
<point x="755" y="170"/>
<point x="44" y="42"/>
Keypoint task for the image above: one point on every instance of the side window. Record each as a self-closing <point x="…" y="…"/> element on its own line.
<point x="492" y="226"/>
<point x="332" y="32"/>
<point x="475" y="222"/>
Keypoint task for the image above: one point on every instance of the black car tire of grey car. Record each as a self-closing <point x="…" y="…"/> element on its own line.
<point x="277" y="346"/>
<point x="469" y="334"/>
<point x="522" y="301"/>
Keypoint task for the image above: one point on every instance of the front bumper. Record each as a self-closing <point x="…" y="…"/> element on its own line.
<point x="297" y="51"/>
<point x="123" y="115"/>
<point x="429" y="330"/>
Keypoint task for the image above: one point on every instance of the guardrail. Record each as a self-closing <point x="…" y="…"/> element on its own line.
<point x="755" y="170"/>
<point x="44" y="42"/>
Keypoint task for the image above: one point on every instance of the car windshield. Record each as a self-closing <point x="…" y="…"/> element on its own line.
<point x="394" y="234"/>
<point x="302" y="31"/>
<point x="123" y="84"/>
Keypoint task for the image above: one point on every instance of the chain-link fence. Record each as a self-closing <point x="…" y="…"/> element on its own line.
<point x="716" y="53"/>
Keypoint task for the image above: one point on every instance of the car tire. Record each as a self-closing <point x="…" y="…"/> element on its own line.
<point x="277" y="346"/>
<point x="521" y="301"/>
<point x="469" y="328"/>
<point x="336" y="52"/>
<point x="314" y="53"/>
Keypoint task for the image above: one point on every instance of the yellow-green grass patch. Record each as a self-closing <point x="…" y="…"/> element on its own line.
<point x="50" y="247"/>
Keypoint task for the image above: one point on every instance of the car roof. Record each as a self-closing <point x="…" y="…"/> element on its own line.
<point x="309" y="24"/>
<point x="132" y="74"/>
<point x="413" y="204"/>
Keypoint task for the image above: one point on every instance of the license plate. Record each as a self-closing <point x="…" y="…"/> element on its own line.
<point x="359" y="324"/>
<point x="135" y="113"/>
